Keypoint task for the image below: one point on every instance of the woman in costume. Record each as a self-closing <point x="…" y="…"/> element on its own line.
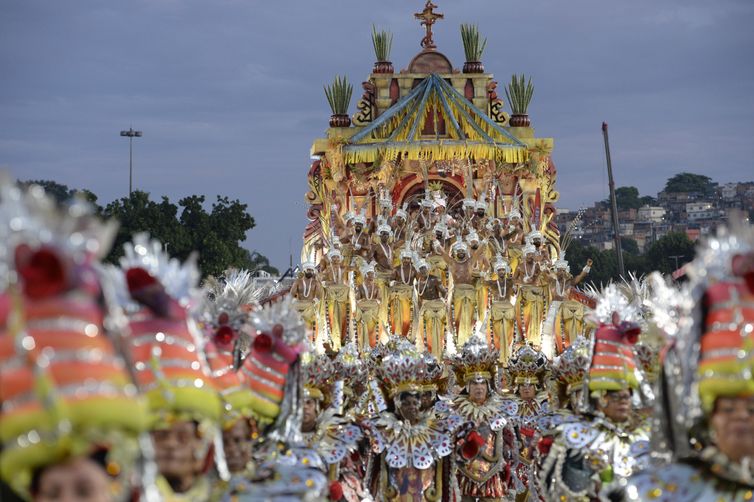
<point x="159" y="296"/>
<point x="368" y="306"/>
<point x="530" y="301"/>
<point x="327" y="430"/>
<point x="502" y="313"/>
<point x="592" y="455"/>
<point x="285" y="468"/>
<point x="410" y="449"/>
<point x="705" y="413"/>
<point x="527" y="369"/>
<point x="226" y="322"/>
<point x="480" y="460"/>
<point x="71" y="419"/>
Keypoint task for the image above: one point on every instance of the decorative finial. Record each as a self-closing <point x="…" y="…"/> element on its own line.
<point x="428" y="17"/>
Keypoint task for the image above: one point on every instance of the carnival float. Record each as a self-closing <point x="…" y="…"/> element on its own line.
<point x="429" y="165"/>
<point x="434" y="345"/>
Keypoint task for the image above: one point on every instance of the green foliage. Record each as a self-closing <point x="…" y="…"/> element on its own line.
<point x="183" y="228"/>
<point x="260" y="262"/>
<point x="61" y="193"/>
<point x="689" y="182"/>
<point x="186" y="227"/>
<point x="382" y="41"/>
<point x="339" y="95"/>
<point x="605" y="263"/>
<point x="519" y="93"/>
<point x="473" y="43"/>
<point x="647" y="200"/>
<point x="629" y="245"/>
<point x="660" y="253"/>
<point x="627" y="198"/>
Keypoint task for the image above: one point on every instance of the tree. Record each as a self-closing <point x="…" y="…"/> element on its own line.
<point x="260" y="262"/>
<point x="689" y="182"/>
<point x="627" y="198"/>
<point x="662" y="254"/>
<point x="647" y="200"/>
<point x="629" y="245"/>
<point x="182" y="228"/>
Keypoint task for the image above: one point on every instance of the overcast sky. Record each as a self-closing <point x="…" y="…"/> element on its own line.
<point x="229" y="93"/>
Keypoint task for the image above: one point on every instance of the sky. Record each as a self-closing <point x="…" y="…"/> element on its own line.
<point x="228" y="93"/>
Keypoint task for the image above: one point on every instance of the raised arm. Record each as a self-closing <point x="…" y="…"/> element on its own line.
<point x="584" y="271"/>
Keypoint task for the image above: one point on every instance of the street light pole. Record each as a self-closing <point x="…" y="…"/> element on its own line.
<point x="613" y="205"/>
<point x="130" y="134"/>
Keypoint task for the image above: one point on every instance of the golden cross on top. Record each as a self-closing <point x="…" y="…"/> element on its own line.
<point x="428" y="17"/>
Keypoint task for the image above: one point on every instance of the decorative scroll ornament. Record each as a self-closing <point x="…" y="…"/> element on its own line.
<point x="366" y="108"/>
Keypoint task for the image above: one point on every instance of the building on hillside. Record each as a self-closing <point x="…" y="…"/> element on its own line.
<point x="702" y="210"/>
<point x="654" y="214"/>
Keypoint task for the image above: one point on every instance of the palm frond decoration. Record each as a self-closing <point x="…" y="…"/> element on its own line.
<point x="339" y="95"/>
<point x="519" y="93"/>
<point x="473" y="43"/>
<point x="382" y="41"/>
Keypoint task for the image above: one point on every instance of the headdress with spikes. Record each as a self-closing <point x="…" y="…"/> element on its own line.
<point x="707" y="321"/>
<point x="318" y="373"/>
<point x="476" y="361"/>
<point x="527" y="366"/>
<point x="159" y="296"/>
<point x="401" y="368"/>
<point x="613" y="364"/>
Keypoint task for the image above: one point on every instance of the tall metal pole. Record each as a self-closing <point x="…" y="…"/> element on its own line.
<point x="130" y="165"/>
<point x="613" y="203"/>
<point x="130" y="134"/>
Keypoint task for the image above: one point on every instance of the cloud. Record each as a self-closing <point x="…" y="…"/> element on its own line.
<point x="229" y="93"/>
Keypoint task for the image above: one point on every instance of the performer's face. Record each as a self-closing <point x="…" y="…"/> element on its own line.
<point x="409" y="406"/>
<point x="527" y="391"/>
<point x="732" y="426"/>
<point x="175" y="449"/>
<point x="617" y="405"/>
<point x="358" y="227"/>
<point x="478" y="391"/>
<point x="460" y="254"/>
<point x="537" y="243"/>
<point x="480" y="213"/>
<point x="78" y="479"/>
<point x="406" y="262"/>
<point x="428" y="400"/>
<point x="237" y="445"/>
<point x="336" y="260"/>
<point x="438" y="235"/>
<point x="370" y="276"/>
<point x="310" y="414"/>
<point x="474" y="245"/>
<point x="384" y="236"/>
<point x="423" y="272"/>
<point x="308" y="273"/>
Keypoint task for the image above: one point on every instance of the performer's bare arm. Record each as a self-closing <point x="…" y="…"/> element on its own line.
<point x="582" y="275"/>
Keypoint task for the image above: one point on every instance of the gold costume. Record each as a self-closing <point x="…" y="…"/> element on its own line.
<point x="529" y="311"/>
<point x="503" y="315"/>
<point x="309" y="310"/>
<point x="464" y="303"/>
<point x="400" y="299"/>
<point x="337" y="313"/>
<point x="569" y="323"/>
<point x="432" y="330"/>
<point x="367" y="323"/>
